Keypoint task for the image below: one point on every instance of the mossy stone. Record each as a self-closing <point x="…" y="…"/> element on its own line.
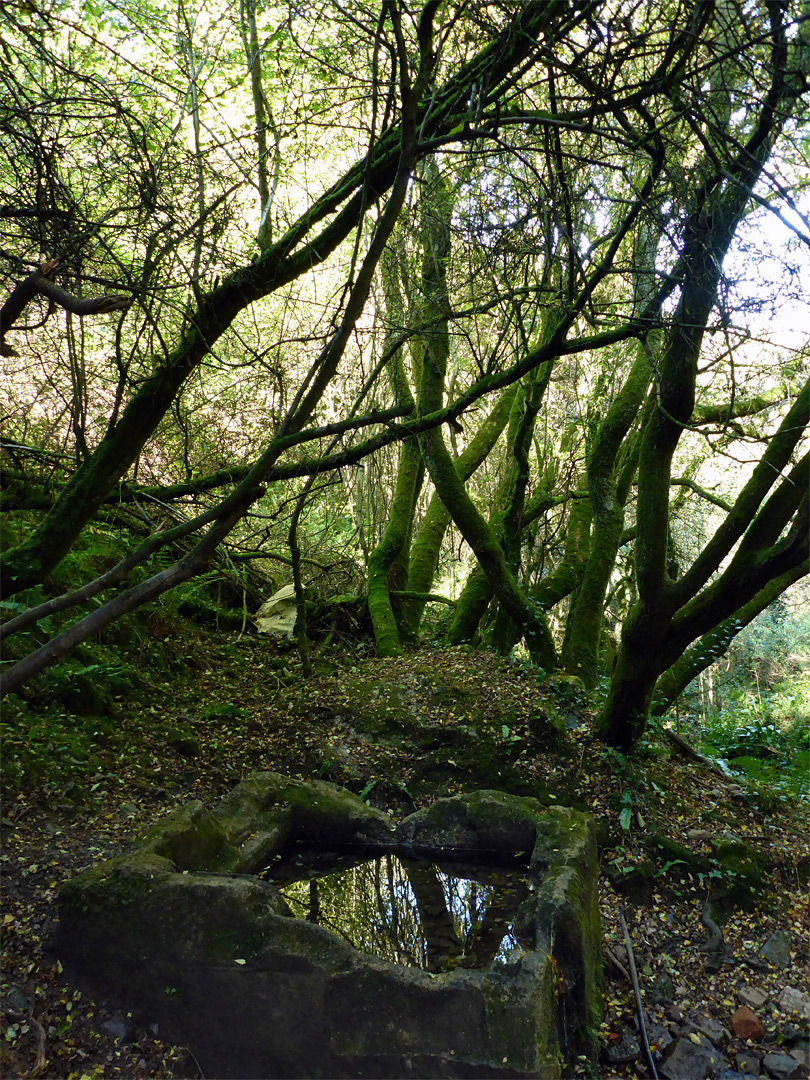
<point x="567" y="903"/>
<point x="741" y="869"/>
<point x="192" y="840"/>
<point x="636" y="882"/>
<point x="183" y="742"/>
<point x="674" y="861"/>
<point x="312" y="812"/>
<point x="482" y="824"/>
<point x="250" y="984"/>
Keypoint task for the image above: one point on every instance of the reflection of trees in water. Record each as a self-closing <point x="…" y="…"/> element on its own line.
<point x="413" y="913"/>
<point x="439" y="927"/>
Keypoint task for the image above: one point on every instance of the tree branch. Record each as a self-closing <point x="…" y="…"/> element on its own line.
<point x="38" y="284"/>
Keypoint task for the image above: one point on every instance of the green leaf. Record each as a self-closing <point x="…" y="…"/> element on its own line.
<point x="670" y="863"/>
<point x="367" y="789"/>
<point x="625" y="817"/>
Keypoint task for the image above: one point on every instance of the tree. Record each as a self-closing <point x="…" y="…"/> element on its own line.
<point x="536" y="224"/>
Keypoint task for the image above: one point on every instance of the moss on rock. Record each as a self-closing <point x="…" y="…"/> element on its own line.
<point x="672" y="859"/>
<point x="159" y="916"/>
<point x="483" y="824"/>
<point x="741" y="869"/>
<point x="192" y="840"/>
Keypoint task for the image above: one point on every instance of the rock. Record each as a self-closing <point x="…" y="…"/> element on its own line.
<point x="480" y="825"/>
<point x="267" y="813"/>
<point x="254" y="991"/>
<point x="801" y="1051"/>
<point x="777" y="949"/>
<point x="673" y="1013"/>
<point x="16" y="1000"/>
<point x="663" y="990"/>
<point x="706" y="1025"/>
<point x="752" y="996"/>
<point x="627" y="1049"/>
<point x="658" y="1035"/>
<point x="729" y="1074"/>
<point x="747" y="1024"/>
<point x="698" y="834"/>
<point x="783" y="1067"/>
<point x="795" y="1001"/>
<point x="747" y="1064"/>
<point x="690" y="1060"/>
<point x="119" y="1027"/>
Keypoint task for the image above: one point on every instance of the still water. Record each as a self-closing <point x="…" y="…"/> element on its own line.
<point x="408" y="911"/>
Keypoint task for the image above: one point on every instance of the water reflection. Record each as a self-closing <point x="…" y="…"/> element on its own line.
<point x="412" y="912"/>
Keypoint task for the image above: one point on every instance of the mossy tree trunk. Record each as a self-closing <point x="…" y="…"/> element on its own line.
<point x="476" y="531"/>
<point x="568" y="573"/>
<point x="548" y="590"/>
<point x="473" y="602"/>
<point x="438" y="461"/>
<point x="770" y="526"/>
<point x="301" y="635"/>
<point x="427" y="544"/>
<point x="383" y="559"/>
<point x="610" y="471"/>
<point x="669" y="615"/>
<point x="513" y="494"/>
<point x="715" y="642"/>
<point x="387" y="557"/>
<point x="478" y="592"/>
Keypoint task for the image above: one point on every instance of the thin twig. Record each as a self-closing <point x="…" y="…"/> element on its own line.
<point x="642" y="1027"/>
<point x="42" y="1049"/>
<point x="188" y="1051"/>
<point x="613" y="958"/>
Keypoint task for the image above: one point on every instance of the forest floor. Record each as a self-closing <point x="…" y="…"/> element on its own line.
<point x="248" y="710"/>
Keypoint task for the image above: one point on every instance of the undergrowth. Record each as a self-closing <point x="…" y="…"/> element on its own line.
<point x="764" y="739"/>
<point x="53" y="729"/>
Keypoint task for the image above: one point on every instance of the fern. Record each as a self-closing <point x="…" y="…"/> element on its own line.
<point x="789" y="779"/>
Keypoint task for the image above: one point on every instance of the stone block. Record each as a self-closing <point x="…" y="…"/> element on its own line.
<point x="181" y="932"/>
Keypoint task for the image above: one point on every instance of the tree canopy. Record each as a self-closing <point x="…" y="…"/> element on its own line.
<point x="501" y="296"/>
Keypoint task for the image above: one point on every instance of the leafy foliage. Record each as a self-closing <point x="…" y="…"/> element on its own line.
<point x="765" y="739"/>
